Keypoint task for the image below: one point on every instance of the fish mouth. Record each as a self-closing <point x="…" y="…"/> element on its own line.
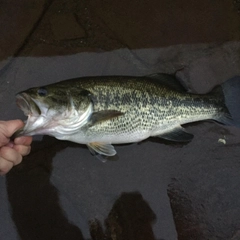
<point x="31" y="110"/>
<point x="27" y="105"/>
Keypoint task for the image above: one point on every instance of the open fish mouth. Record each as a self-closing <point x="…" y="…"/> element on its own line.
<point x="27" y="105"/>
<point x="30" y="109"/>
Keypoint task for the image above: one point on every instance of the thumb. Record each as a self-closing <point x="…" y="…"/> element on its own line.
<point x="8" y="128"/>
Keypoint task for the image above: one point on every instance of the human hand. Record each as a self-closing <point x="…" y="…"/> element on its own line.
<point x="12" y="152"/>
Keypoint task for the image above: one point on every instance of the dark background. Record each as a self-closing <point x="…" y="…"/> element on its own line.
<point x="157" y="189"/>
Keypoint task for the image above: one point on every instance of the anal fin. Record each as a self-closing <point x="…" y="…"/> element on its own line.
<point x="177" y="135"/>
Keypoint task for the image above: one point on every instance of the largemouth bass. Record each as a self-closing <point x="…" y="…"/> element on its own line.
<point x="101" y="111"/>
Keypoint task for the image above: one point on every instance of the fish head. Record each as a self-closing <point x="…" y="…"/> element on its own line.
<point x="55" y="110"/>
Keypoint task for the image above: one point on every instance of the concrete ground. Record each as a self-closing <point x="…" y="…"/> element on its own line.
<point x="156" y="190"/>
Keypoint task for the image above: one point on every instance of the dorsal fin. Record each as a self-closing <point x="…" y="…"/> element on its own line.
<point x="169" y="80"/>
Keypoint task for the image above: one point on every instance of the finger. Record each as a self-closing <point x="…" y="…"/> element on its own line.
<point x="10" y="144"/>
<point x="24" y="140"/>
<point x="23" y="150"/>
<point x="5" y="166"/>
<point x="11" y="155"/>
<point x="8" y="128"/>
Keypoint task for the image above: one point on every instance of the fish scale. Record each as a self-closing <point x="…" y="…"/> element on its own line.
<point x="145" y="105"/>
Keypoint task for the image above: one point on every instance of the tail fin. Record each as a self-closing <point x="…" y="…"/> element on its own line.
<point x="231" y="92"/>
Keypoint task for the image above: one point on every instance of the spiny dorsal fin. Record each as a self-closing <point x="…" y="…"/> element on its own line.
<point x="169" y="80"/>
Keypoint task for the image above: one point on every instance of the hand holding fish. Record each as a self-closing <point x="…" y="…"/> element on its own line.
<point x="11" y="152"/>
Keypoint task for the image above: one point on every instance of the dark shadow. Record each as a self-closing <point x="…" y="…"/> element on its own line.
<point x="130" y="218"/>
<point x="36" y="211"/>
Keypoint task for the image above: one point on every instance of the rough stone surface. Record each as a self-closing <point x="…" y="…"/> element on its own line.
<point x="65" y="26"/>
<point x="165" y="23"/>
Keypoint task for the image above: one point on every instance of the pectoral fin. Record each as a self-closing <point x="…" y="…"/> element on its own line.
<point x="101" y="148"/>
<point x="177" y="135"/>
<point x="104" y="115"/>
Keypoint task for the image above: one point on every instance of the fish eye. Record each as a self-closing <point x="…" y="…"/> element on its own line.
<point x="42" y="92"/>
<point x="85" y="93"/>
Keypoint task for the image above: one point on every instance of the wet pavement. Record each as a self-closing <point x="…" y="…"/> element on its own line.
<point x="156" y="190"/>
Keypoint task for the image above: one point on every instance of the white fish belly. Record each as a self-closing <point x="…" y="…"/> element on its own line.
<point x="112" y="139"/>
